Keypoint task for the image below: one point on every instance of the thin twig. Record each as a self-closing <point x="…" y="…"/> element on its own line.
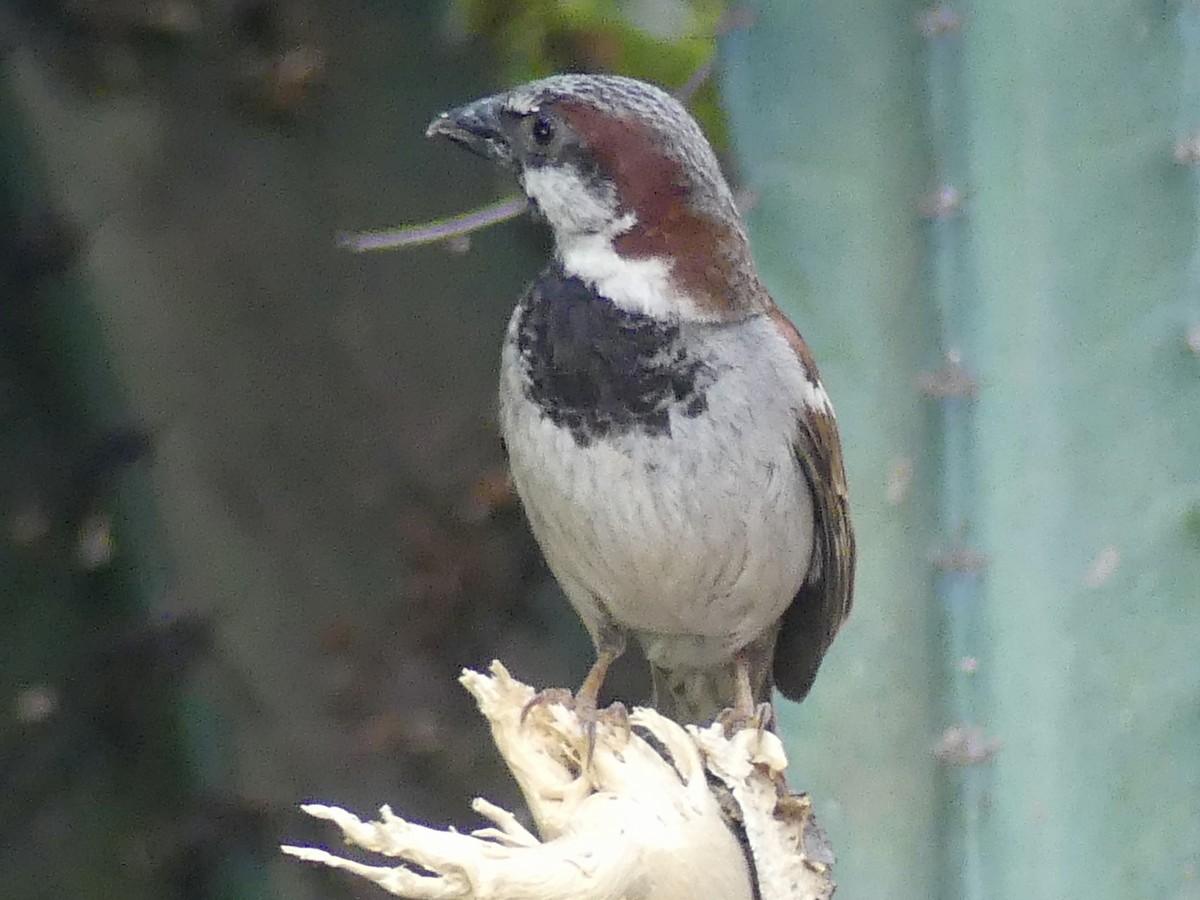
<point x="696" y="80"/>
<point x="437" y="230"/>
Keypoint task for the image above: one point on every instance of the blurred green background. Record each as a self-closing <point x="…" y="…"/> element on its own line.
<point x="253" y="516"/>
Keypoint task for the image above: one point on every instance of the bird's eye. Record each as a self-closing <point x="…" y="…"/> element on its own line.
<point x="542" y="130"/>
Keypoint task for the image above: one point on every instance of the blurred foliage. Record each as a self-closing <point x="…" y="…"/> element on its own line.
<point x="90" y="739"/>
<point x="271" y="59"/>
<point x="665" y="41"/>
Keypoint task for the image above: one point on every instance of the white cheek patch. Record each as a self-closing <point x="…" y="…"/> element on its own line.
<point x="570" y="203"/>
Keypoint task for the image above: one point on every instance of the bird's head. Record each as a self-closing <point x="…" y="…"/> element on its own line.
<point x="630" y="188"/>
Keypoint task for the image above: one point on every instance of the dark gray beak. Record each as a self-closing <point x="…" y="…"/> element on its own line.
<point x="477" y="127"/>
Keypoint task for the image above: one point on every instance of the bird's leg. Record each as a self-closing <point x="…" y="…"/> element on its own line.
<point x="745" y="713"/>
<point x="744" y="698"/>
<point x="610" y="644"/>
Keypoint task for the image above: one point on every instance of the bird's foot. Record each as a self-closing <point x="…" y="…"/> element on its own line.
<point x="760" y="718"/>
<point x="614" y="716"/>
<point x="590" y="717"/>
<point x="549" y="697"/>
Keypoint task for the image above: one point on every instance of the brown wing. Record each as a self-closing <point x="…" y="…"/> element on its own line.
<point x="823" y="601"/>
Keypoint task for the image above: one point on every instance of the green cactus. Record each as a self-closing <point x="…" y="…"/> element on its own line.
<point x="1011" y="711"/>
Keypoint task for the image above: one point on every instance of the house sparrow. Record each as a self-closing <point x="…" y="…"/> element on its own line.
<point x="668" y="434"/>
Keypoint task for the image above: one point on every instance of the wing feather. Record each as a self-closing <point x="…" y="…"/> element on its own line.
<point x="821" y="605"/>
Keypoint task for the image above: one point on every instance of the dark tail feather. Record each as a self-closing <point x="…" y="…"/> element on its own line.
<point x="806" y="631"/>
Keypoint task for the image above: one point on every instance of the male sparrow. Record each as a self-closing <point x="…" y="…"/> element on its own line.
<point x="667" y="431"/>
